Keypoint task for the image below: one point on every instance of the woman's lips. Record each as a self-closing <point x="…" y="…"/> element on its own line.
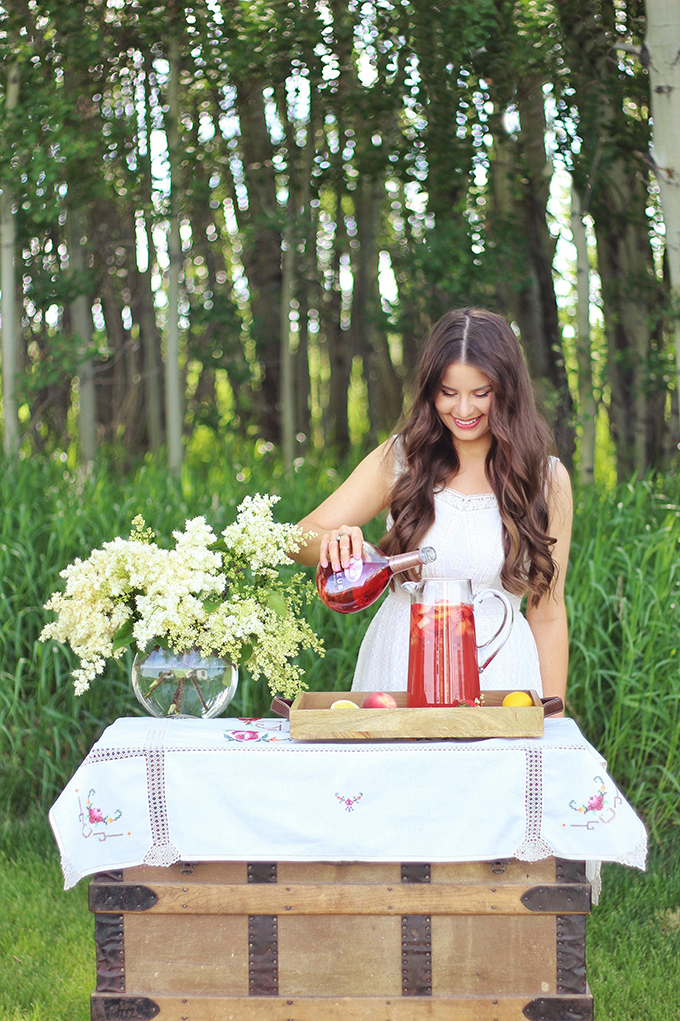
<point x="469" y="424"/>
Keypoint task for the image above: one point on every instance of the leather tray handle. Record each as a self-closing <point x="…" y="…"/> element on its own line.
<point x="552" y="705"/>
<point x="281" y="706"/>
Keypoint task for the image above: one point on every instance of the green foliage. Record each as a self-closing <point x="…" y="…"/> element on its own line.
<point x="623" y="599"/>
<point x="623" y="593"/>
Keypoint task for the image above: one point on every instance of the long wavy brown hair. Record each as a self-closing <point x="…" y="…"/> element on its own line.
<point x="517" y="464"/>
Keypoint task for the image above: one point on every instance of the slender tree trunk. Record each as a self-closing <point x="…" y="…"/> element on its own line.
<point x="148" y="328"/>
<point x="339" y="341"/>
<point x="173" y="388"/>
<point x="537" y="306"/>
<point x="587" y="403"/>
<point x="287" y="378"/>
<point x="663" y="51"/>
<point x="383" y="385"/>
<point x="8" y="285"/>
<point x="81" y="321"/>
<point x="262" y="250"/>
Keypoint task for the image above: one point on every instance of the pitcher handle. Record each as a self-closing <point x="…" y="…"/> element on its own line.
<point x="504" y="629"/>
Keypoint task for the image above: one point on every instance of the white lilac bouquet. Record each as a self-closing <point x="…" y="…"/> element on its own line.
<point x="222" y="596"/>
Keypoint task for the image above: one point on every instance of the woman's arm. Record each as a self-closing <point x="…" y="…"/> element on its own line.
<point x="548" y="620"/>
<point x="356" y="501"/>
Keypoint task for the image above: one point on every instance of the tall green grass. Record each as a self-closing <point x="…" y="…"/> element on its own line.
<point x="624" y="614"/>
<point x="623" y="601"/>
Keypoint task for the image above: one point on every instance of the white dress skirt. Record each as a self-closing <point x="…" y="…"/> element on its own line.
<point x="467" y="536"/>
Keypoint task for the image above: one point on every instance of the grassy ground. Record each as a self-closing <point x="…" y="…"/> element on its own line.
<point x="47" y="941"/>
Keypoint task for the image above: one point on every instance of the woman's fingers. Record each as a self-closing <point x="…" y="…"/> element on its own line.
<point x="338" y="547"/>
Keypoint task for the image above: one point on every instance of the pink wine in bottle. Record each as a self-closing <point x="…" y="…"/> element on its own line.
<point x="357" y="586"/>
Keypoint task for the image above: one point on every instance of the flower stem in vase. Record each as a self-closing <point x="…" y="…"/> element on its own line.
<point x="198" y="691"/>
<point x="176" y="703"/>
<point x="164" y="676"/>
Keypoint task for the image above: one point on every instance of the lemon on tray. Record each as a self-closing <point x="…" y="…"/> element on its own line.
<point x="517" y="698"/>
<point x="343" y="703"/>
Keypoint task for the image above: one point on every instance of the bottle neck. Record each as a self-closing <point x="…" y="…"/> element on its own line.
<point x="405" y="561"/>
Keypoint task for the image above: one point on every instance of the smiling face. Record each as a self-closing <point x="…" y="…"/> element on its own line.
<point x="463" y="402"/>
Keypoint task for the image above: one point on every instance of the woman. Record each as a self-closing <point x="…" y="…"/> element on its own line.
<point x="469" y="473"/>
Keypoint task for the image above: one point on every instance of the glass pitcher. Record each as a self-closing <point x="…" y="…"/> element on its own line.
<point x="445" y="661"/>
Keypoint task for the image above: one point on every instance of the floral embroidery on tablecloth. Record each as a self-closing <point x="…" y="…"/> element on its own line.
<point x="91" y="817"/>
<point x="597" y="808"/>
<point x="349" y="803"/>
<point x="243" y="736"/>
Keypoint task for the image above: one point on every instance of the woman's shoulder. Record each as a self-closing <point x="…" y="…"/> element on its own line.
<point x="557" y="473"/>
<point x="559" y="489"/>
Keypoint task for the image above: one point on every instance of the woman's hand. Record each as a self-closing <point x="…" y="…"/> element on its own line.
<point x="339" y="546"/>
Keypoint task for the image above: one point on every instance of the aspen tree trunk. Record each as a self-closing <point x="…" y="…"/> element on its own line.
<point x="587" y="403"/>
<point x="385" y="392"/>
<point x="147" y="325"/>
<point x="338" y="341"/>
<point x="8" y="285"/>
<point x="537" y="306"/>
<point x="261" y="249"/>
<point x="663" y="50"/>
<point x="173" y="395"/>
<point x="287" y="380"/>
<point x="81" y="321"/>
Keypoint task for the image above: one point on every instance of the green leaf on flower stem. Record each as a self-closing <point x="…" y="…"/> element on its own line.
<point x="246" y="653"/>
<point x="163" y="642"/>
<point x="219" y="546"/>
<point x="277" y="603"/>
<point x="123" y="635"/>
<point x="212" y="604"/>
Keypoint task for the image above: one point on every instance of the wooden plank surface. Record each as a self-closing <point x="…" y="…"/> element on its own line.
<point x="342" y="898"/>
<point x="387" y="873"/>
<point x="340" y="955"/>
<point x="182" y="954"/>
<point x="425" y="1008"/>
<point x="312" y="719"/>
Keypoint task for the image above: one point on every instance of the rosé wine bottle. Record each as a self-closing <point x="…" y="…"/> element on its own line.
<point x="357" y="586"/>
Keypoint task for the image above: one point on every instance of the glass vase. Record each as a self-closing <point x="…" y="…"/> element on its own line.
<point x="183" y="685"/>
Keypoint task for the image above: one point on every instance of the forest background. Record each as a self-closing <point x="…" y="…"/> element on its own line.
<point x="242" y="218"/>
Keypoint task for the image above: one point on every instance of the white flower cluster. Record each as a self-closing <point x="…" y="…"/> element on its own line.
<point x="260" y="540"/>
<point x="132" y="592"/>
<point x="162" y="590"/>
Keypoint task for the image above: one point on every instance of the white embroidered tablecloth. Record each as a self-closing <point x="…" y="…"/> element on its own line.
<point x="157" y="791"/>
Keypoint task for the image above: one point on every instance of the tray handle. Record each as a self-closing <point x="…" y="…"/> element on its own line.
<point x="281" y="706"/>
<point x="551" y="705"/>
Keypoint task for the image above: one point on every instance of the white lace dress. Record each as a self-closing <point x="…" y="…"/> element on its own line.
<point x="467" y="535"/>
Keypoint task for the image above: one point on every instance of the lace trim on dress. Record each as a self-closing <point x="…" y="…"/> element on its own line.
<point x="477" y="501"/>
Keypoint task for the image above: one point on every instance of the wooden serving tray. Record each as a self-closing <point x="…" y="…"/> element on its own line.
<point x="312" y="719"/>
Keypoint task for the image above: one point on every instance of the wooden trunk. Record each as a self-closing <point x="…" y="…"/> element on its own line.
<point x="482" y="941"/>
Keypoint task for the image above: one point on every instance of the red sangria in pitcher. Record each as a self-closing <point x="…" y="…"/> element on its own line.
<point x="444" y="658"/>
